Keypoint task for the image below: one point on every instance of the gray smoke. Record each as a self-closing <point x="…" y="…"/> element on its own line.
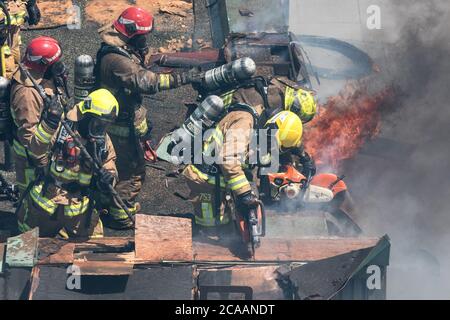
<point x="407" y="194"/>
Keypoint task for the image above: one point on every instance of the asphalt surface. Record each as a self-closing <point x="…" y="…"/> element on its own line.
<point x="165" y="111"/>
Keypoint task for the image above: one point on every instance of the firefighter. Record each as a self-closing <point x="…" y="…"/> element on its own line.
<point x="120" y="68"/>
<point x="281" y="94"/>
<point x="210" y="184"/>
<point x="276" y="93"/>
<point x="62" y="197"/>
<point x="19" y="11"/>
<point x="32" y="128"/>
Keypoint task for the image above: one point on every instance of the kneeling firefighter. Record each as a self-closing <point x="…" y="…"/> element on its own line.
<point x="62" y="196"/>
<point x="275" y="92"/>
<point x="121" y="69"/>
<point x="276" y="96"/>
<point x="230" y="177"/>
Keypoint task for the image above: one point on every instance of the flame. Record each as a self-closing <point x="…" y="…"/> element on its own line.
<point x="344" y="124"/>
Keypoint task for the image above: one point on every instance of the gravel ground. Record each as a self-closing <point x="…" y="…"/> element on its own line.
<point x="165" y="111"/>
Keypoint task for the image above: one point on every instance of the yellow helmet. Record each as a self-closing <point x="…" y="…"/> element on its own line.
<point x="290" y="129"/>
<point x="301" y="102"/>
<point x="100" y="103"/>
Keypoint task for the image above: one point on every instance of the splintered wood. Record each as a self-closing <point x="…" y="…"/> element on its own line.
<point x="163" y="238"/>
<point x="285" y="250"/>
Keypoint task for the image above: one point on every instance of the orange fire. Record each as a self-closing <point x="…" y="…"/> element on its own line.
<point x="344" y="123"/>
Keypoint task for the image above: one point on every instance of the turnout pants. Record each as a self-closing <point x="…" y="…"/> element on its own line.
<point x="131" y="177"/>
<point x="52" y="218"/>
<point x="203" y="198"/>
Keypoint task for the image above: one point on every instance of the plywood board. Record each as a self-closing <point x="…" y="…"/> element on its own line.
<point x="285" y="250"/>
<point x="56" y="252"/>
<point x="104" y="268"/>
<point x="160" y="238"/>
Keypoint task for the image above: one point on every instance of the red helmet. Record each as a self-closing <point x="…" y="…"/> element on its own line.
<point x="41" y="53"/>
<point x="134" y="21"/>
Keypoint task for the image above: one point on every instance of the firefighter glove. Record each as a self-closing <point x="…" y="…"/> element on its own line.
<point x="105" y="180"/>
<point x="34" y="14"/>
<point x="308" y="163"/>
<point x="53" y="112"/>
<point x="193" y="76"/>
<point x="247" y="201"/>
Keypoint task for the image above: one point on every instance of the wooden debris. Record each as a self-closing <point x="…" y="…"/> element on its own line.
<point x="159" y="238"/>
<point x="173" y="10"/>
<point x="284" y="250"/>
<point x="104" y="268"/>
<point x="178" y="8"/>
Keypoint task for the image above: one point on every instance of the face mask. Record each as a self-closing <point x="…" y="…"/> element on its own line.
<point x="139" y="43"/>
<point x="96" y="129"/>
<point x="60" y="74"/>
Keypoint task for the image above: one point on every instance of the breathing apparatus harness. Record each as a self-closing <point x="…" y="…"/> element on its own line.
<point x="261" y="86"/>
<point x="143" y="146"/>
<point x="94" y="161"/>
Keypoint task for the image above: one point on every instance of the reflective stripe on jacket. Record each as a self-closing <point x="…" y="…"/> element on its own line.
<point x="230" y="141"/>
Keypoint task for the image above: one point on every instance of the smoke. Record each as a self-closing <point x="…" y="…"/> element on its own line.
<point x="406" y="195"/>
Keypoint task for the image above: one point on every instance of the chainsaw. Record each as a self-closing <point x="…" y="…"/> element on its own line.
<point x="290" y="184"/>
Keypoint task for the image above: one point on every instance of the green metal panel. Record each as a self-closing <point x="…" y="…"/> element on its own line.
<point x="356" y="286"/>
<point x="22" y="250"/>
